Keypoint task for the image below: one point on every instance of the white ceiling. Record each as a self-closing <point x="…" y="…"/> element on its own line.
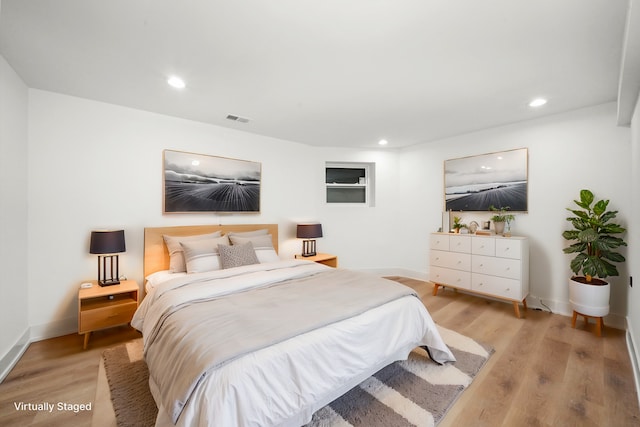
<point x="324" y="72"/>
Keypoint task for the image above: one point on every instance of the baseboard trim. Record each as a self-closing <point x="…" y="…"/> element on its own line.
<point x="54" y="329"/>
<point x="11" y="358"/>
<point x="633" y="355"/>
<point x="33" y="334"/>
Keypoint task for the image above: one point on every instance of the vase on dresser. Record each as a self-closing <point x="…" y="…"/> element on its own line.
<point x="498" y="227"/>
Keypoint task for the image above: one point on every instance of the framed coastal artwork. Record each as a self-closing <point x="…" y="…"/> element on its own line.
<point x="476" y="183"/>
<point x="203" y="183"/>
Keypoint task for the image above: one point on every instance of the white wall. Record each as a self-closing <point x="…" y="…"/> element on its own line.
<point x="95" y="165"/>
<point x="13" y="215"/>
<point x="633" y="259"/>
<point x="567" y="152"/>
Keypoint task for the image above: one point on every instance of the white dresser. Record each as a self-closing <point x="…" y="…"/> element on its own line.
<point x="494" y="266"/>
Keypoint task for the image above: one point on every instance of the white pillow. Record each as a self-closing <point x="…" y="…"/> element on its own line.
<point x="260" y="232"/>
<point x="154" y="279"/>
<point x="203" y="255"/>
<point x="263" y="245"/>
<point x="176" y="256"/>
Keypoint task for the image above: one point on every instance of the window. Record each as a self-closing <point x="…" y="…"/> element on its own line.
<point x="349" y="183"/>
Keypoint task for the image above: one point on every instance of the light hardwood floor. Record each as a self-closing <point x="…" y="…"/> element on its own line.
<point x="543" y="373"/>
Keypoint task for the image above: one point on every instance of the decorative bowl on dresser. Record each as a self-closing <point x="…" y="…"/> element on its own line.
<point x="493" y="266"/>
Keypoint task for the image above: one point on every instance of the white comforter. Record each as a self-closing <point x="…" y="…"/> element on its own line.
<point x="284" y="384"/>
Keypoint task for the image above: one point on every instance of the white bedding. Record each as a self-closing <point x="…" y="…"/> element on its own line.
<point x="284" y="384"/>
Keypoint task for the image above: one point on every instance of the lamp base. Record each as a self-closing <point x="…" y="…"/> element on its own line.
<point x="308" y="248"/>
<point x="109" y="282"/>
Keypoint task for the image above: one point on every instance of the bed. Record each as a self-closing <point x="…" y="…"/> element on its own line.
<point x="264" y="342"/>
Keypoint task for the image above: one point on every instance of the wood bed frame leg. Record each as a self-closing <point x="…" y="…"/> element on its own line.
<point x="86" y="340"/>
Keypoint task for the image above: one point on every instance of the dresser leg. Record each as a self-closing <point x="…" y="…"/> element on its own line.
<point x="516" y="308"/>
<point x="435" y="289"/>
<point x="86" y="340"/>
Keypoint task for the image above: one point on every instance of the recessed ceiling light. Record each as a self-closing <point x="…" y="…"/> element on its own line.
<point x="176" y="82"/>
<point x="383" y="142"/>
<point x="538" y="102"/>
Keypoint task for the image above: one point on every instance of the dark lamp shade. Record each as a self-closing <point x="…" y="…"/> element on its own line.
<point x="309" y="231"/>
<point x="107" y="242"/>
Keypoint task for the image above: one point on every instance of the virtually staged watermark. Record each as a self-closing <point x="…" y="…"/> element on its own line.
<point x="52" y="406"/>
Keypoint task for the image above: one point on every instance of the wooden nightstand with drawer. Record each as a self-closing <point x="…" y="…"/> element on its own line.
<point x="101" y="307"/>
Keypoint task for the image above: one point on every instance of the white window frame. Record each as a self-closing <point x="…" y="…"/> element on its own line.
<point x="368" y="184"/>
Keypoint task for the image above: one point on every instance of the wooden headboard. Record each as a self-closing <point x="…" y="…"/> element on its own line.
<point x="156" y="255"/>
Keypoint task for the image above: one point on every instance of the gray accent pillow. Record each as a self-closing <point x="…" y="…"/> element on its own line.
<point x="237" y="255"/>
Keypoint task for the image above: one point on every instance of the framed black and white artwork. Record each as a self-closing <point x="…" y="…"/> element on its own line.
<point x="202" y="183"/>
<point x="476" y="183"/>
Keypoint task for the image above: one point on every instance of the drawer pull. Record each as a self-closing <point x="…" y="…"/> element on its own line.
<point x="508" y="268"/>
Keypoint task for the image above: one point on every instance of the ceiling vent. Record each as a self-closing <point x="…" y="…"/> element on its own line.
<point x="237" y="118"/>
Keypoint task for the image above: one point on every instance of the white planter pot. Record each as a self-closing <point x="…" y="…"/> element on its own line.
<point x="498" y="227"/>
<point x="590" y="300"/>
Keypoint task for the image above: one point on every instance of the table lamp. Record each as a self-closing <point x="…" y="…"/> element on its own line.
<point x="309" y="232"/>
<point x="107" y="243"/>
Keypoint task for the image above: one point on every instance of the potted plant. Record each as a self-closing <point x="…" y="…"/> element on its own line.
<point x="457" y="224"/>
<point x="501" y="218"/>
<point x="595" y="245"/>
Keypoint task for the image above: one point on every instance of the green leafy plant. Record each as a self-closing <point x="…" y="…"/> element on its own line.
<point x="502" y="215"/>
<point x="457" y="223"/>
<point x="593" y="236"/>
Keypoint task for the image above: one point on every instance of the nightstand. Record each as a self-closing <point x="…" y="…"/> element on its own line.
<point x="326" y="259"/>
<point x="101" y="307"/>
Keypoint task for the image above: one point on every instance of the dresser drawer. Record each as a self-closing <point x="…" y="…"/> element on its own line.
<point x="439" y="242"/>
<point x="509" y="268"/>
<point x="460" y="244"/>
<point x="497" y="286"/>
<point x="455" y="260"/>
<point x="484" y="246"/>
<point x="106" y="317"/>
<point x="454" y="278"/>
<point x="509" y="248"/>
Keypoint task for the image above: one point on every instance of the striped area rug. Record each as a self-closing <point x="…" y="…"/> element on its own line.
<point x="415" y="392"/>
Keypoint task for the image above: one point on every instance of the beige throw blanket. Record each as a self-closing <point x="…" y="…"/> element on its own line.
<point x="202" y="335"/>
